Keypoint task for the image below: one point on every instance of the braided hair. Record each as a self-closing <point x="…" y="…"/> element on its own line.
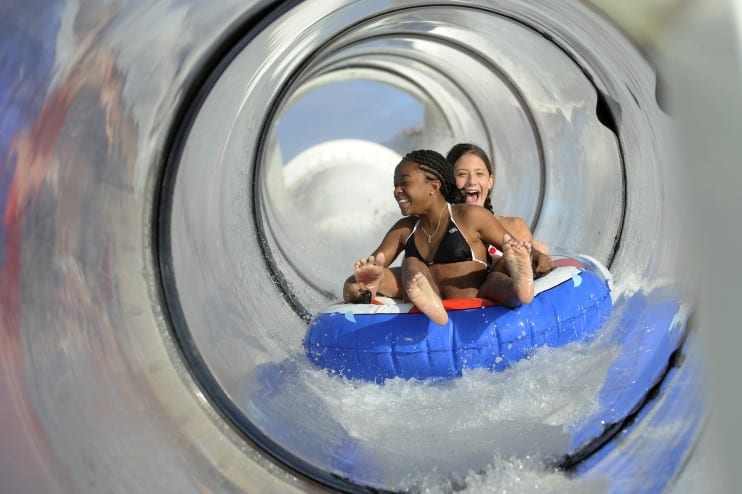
<point x="462" y="148"/>
<point x="435" y="166"/>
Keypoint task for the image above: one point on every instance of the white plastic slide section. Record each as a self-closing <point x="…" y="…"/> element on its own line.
<point x="144" y="199"/>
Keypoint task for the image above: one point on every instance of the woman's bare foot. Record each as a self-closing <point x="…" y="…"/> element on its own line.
<point x="517" y="256"/>
<point x="424" y="297"/>
<point x="369" y="273"/>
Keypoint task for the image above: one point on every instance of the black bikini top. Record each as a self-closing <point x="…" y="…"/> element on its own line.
<point x="453" y="246"/>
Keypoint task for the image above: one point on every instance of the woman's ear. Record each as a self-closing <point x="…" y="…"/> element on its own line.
<point x="436" y="184"/>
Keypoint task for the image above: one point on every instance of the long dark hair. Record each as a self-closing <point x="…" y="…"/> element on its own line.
<point x="462" y="148"/>
<point x="435" y="165"/>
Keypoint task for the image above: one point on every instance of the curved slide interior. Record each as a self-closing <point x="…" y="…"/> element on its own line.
<point x="184" y="184"/>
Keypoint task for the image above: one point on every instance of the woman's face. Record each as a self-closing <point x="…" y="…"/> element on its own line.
<point x="412" y="190"/>
<point x="473" y="178"/>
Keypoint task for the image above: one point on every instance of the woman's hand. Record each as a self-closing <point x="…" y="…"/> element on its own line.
<point x="541" y="263"/>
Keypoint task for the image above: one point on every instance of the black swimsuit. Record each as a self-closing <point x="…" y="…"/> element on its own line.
<point x="453" y="246"/>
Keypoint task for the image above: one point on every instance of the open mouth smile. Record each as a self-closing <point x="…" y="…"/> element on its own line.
<point x="471" y="196"/>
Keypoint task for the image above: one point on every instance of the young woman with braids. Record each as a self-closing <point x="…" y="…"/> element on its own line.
<point x="445" y="244"/>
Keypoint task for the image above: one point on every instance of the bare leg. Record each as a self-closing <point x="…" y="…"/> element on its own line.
<point x="420" y="292"/>
<point x="424" y="297"/>
<point x="517" y="256"/>
<point x="370" y="272"/>
<point x="371" y="275"/>
<point x="511" y="281"/>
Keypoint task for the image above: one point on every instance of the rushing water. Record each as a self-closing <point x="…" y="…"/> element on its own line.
<point x="483" y="432"/>
<point x="487" y="432"/>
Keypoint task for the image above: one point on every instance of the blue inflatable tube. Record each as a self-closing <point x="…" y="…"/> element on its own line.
<point x="373" y="343"/>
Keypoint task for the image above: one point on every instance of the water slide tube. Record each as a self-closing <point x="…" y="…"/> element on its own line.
<point x="155" y="265"/>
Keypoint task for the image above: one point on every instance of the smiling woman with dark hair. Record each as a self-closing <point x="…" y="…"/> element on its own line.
<point x="475" y="178"/>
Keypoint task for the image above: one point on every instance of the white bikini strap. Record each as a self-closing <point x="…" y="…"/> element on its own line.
<point x="413" y="231"/>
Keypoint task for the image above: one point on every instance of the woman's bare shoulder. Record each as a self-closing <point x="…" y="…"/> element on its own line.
<point x="404" y="225"/>
<point x="472" y="211"/>
<point x="406" y="222"/>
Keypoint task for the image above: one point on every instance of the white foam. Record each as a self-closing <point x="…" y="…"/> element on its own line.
<point x="502" y="425"/>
